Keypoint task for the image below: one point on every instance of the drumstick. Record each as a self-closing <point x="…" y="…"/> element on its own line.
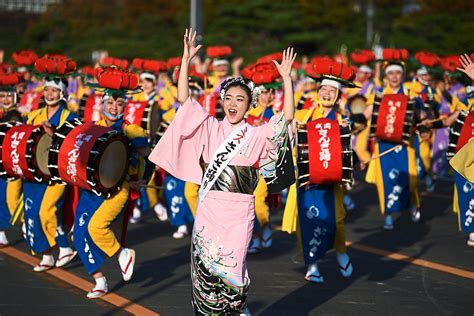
<point x="432" y="121"/>
<point x="383" y="153"/>
<point x="150" y="186"/>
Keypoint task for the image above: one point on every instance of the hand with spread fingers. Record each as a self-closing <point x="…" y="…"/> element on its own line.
<point x="190" y="48"/>
<point x="467" y="65"/>
<point x="284" y="68"/>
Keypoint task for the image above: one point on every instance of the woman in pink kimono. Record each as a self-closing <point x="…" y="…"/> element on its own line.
<point x="225" y="158"/>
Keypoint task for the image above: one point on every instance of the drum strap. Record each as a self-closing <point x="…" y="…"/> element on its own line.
<point x="222" y="156"/>
<point x="309" y="114"/>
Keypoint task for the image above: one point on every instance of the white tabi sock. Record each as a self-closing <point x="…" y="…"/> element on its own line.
<point x="47" y="260"/>
<point x="3" y="238"/>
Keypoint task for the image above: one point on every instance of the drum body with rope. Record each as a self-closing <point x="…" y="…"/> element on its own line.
<point x="160" y="132"/>
<point x="324" y="153"/>
<point x="357" y="106"/>
<point x="144" y="114"/>
<point x="92" y="157"/>
<point x="392" y="118"/>
<point x="90" y="107"/>
<point x="24" y="152"/>
<point x="460" y="133"/>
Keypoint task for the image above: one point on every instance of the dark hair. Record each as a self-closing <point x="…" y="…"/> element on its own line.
<point x="242" y="83"/>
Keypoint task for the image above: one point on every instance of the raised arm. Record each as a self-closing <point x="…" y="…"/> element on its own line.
<point x="284" y="68"/>
<point x="190" y="50"/>
<point x="467" y="66"/>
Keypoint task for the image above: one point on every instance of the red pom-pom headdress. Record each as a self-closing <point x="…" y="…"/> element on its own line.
<point x="362" y="57"/>
<point x="331" y="70"/>
<point x="262" y="74"/>
<point x="112" y="61"/>
<point x="427" y="58"/>
<point x="24" y="57"/>
<point x="55" y="65"/>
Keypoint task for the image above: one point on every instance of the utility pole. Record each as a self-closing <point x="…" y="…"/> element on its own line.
<point x="196" y="16"/>
<point x="370" y="9"/>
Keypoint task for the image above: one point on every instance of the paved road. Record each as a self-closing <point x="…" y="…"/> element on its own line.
<point x="379" y="285"/>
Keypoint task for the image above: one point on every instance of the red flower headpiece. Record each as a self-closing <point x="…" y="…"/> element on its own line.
<point x="174" y="62"/>
<point x="116" y="79"/>
<point x="329" y="69"/>
<point x="427" y="58"/>
<point x="362" y="57"/>
<point x="150" y="65"/>
<point x="394" y="54"/>
<point x="261" y="73"/>
<point x="450" y="63"/>
<point x="112" y="61"/>
<point x="58" y="65"/>
<point x="218" y="51"/>
<point x="10" y="79"/>
<point x="88" y="71"/>
<point x="25" y="57"/>
<point x="268" y="58"/>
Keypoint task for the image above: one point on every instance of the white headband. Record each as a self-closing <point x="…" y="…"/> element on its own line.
<point x="58" y="85"/>
<point x="365" y="68"/>
<point x="393" y="67"/>
<point x="149" y="76"/>
<point x="422" y="71"/>
<point x="332" y="83"/>
<point x="219" y="62"/>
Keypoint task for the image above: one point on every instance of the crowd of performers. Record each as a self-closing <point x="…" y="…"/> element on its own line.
<point x="212" y="146"/>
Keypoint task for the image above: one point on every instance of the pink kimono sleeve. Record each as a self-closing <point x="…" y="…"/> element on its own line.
<point x="180" y="148"/>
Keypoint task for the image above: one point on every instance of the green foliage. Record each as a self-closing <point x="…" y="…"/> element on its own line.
<point x="154" y="28"/>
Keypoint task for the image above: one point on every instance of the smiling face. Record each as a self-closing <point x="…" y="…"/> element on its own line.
<point x="236" y="104"/>
<point x="114" y="107"/>
<point x="147" y="85"/>
<point x="425" y="78"/>
<point x="6" y="99"/>
<point x="394" y="78"/>
<point x="327" y="95"/>
<point x="51" y="94"/>
<point x="362" y="76"/>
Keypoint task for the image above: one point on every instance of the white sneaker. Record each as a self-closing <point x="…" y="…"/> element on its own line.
<point x="65" y="256"/>
<point x="127" y="262"/>
<point x="313" y="275"/>
<point x="345" y="265"/>
<point x="181" y="232"/>
<point x="160" y="212"/>
<point x="137" y="215"/>
<point x="3" y="239"/>
<point x="470" y="241"/>
<point x="47" y="263"/>
<point x="101" y="288"/>
<point x="415" y="215"/>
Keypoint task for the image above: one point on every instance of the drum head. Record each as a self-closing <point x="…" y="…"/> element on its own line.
<point x="42" y="152"/>
<point x="358" y="105"/>
<point x="113" y="164"/>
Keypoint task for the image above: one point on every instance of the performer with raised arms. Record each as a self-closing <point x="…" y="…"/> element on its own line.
<point x="232" y="153"/>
